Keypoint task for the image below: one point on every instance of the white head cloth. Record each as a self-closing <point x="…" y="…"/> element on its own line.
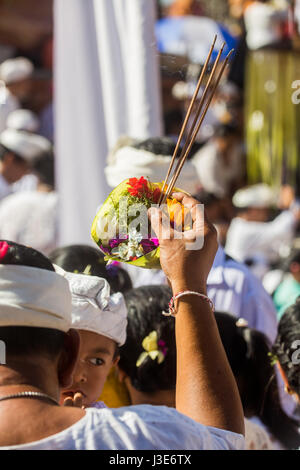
<point x="15" y="70"/>
<point x="258" y="196"/>
<point x="26" y="145"/>
<point x="23" y="120"/>
<point x="94" y="309"/>
<point x="134" y="163"/>
<point x="34" y="297"/>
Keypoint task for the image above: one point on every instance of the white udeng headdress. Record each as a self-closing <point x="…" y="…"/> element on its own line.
<point x="94" y="309"/>
<point x="129" y="162"/>
<point x="34" y="297"/>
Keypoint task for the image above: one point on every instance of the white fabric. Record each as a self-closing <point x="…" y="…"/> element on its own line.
<point x="94" y="309"/>
<point x="5" y="187"/>
<point x="255" y="421"/>
<point x="129" y="162"/>
<point x="215" y="176"/>
<point x="28" y="182"/>
<point x="30" y="218"/>
<point x="34" y="297"/>
<point x="17" y="69"/>
<point x="8" y="104"/>
<point x="233" y="289"/>
<point x="258" y="195"/>
<point x="263" y="25"/>
<point x="26" y="145"/>
<point x="256" y="437"/>
<point x="23" y="120"/>
<point x="142" y="427"/>
<point x="108" y="88"/>
<point x="260" y="240"/>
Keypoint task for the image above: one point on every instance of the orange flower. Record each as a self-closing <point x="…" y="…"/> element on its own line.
<point x="176" y="212"/>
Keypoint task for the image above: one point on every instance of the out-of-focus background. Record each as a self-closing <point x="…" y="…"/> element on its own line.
<point x="93" y="77"/>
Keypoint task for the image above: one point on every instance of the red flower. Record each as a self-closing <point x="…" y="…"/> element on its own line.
<point x="138" y="187"/>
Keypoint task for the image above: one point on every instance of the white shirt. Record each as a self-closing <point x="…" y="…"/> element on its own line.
<point x="263" y="25"/>
<point x="5" y="188"/>
<point x="142" y="427"/>
<point x="30" y="218"/>
<point x="233" y="289"/>
<point x="260" y="241"/>
<point x="26" y="183"/>
<point x="215" y="176"/>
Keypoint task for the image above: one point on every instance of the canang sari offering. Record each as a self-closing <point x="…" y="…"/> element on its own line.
<point x="121" y="228"/>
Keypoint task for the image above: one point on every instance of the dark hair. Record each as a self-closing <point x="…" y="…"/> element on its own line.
<point x="294" y="257"/>
<point x="43" y="167"/>
<point x="76" y="258"/>
<point x="207" y="198"/>
<point x="226" y="130"/>
<point x="145" y="306"/>
<point x="162" y="146"/>
<point x="247" y="352"/>
<point x="20" y="340"/>
<point x="21" y="255"/>
<point x="287" y="336"/>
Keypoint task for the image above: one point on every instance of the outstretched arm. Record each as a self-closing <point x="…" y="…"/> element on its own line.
<point x="206" y="390"/>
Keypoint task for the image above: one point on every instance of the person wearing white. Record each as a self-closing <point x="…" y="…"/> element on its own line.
<point x="219" y="162"/>
<point x="14" y="76"/>
<point x="233" y="289"/>
<point x="18" y="149"/>
<point x="24" y="120"/>
<point x="263" y="24"/>
<point x="31" y="217"/>
<point x="142" y="427"/>
<point x="250" y="237"/>
<point x="130" y="161"/>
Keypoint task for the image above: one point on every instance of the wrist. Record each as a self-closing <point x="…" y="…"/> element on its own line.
<point x="181" y="285"/>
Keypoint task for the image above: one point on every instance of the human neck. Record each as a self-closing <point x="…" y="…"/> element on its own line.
<point x="44" y="188"/>
<point x="19" y="377"/>
<point x="161" y="398"/>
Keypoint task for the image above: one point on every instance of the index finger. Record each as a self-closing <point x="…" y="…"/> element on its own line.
<point x="187" y="201"/>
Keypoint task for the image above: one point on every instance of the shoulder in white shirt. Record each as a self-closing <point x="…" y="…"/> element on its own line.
<point x="142" y="427"/>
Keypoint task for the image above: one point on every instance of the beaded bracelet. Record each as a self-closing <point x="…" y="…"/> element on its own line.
<point x="172" y="312"/>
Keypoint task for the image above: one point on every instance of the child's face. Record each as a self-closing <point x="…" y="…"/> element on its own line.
<point x="96" y="357"/>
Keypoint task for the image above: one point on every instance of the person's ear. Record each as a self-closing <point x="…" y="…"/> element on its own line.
<point x="68" y="358"/>
<point x="122" y="376"/>
<point x="116" y="360"/>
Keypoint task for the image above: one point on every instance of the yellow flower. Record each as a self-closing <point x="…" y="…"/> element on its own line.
<point x="151" y="349"/>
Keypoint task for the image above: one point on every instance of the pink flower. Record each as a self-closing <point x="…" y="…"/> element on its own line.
<point x="4" y="247"/>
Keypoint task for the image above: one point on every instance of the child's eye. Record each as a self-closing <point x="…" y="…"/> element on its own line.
<point x="96" y="361"/>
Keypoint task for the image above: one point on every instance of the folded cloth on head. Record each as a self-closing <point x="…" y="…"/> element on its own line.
<point x="34" y="297"/>
<point x="16" y="69"/>
<point x="130" y="162"/>
<point x="94" y="309"/>
<point x="26" y="145"/>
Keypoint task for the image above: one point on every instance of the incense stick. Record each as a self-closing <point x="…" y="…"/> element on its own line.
<point x="198" y="111"/>
<point x="187" y="117"/>
<point x="195" y="131"/>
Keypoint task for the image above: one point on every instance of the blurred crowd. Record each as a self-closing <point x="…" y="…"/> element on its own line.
<point x="255" y="277"/>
